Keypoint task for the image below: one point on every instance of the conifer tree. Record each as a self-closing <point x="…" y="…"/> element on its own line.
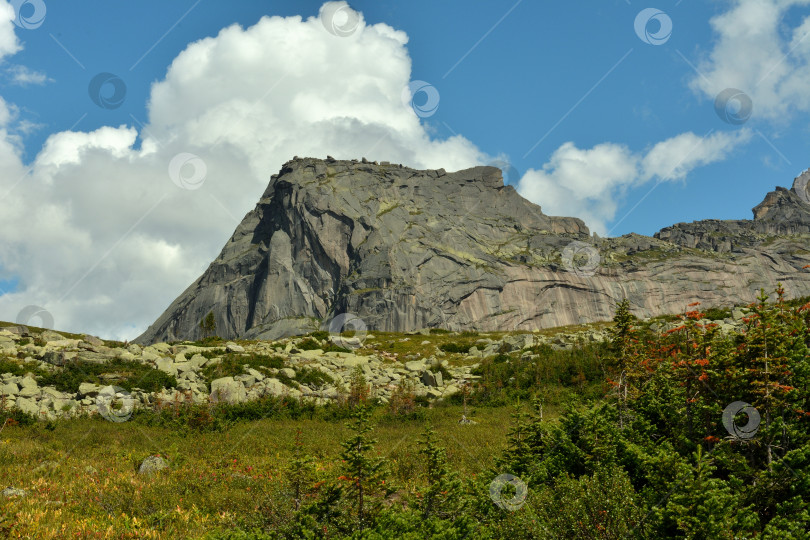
<point x="772" y="331"/>
<point x="443" y="495"/>
<point x="363" y="473"/>
<point x="300" y="470"/>
<point x="208" y="325"/>
<point x="623" y="345"/>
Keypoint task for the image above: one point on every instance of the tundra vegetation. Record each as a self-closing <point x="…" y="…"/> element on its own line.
<point x="671" y="428"/>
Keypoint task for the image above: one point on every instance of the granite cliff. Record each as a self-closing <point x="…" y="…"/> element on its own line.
<point x="405" y="249"/>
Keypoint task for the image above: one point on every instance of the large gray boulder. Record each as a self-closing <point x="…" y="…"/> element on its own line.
<point x="406" y="249"/>
<point x="28" y="387"/>
<point x="228" y="390"/>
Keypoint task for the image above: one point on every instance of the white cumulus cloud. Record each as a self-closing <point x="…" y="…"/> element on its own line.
<point x="101" y="237"/>
<point x="9" y="44"/>
<point x="589" y="183"/>
<point x="760" y="51"/>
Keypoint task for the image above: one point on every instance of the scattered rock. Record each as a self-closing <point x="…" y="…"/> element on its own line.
<point x="28" y="387"/>
<point x="50" y="335"/>
<point x="415" y="365"/>
<point x="429" y="379"/>
<point x="92" y="340"/>
<point x="153" y="464"/>
<point x="234" y="348"/>
<point x="14" y="492"/>
<point x="20" y="330"/>
<point x="88" y="389"/>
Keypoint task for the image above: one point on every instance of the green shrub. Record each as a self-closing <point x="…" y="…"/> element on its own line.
<point x="798" y="302"/>
<point x="456" y="347"/>
<point x="287" y="381"/>
<point x="232" y="364"/>
<point x="123" y="373"/>
<point x="209" y="341"/>
<point x="19" y="417"/>
<point x="505" y="377"/>
<point x="14" y="367"/>
<point x="314" y="377"/>
<point x="182" y="418"/>
<point x="309" y="344"/>
<point x="717" y="314"/>
<point x="266" y="407"/>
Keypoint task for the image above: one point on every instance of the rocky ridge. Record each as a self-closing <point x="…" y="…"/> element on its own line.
<point x="404" y="249"/>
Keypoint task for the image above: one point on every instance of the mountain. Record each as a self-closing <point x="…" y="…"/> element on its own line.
<point x="404" y="249"/>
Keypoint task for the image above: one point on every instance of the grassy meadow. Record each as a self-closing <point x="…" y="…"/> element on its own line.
<point x="82" y="480"/>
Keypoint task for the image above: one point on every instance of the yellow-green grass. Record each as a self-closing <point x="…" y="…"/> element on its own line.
<point x="217" y="481"/>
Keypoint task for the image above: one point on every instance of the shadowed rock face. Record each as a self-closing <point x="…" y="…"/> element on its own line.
<point x="405" y="249"/>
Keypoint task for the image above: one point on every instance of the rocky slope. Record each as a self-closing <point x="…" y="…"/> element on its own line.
<point x="404" y="249"/>
<point x="28" y="356"/>
<point x="34" y="354"/>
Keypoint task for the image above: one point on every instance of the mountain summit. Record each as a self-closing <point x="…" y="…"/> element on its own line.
<point x="405" y="249"/>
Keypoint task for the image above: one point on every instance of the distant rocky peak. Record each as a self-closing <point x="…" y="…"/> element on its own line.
<point x="801" y="186"/>
<point x="790" y="206"/>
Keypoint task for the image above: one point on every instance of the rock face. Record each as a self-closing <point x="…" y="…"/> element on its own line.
<point x="405" y="249"/>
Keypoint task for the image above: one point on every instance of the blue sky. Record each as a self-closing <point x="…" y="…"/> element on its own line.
<point x="598" y="123"/>
<point x="505" y="94"/>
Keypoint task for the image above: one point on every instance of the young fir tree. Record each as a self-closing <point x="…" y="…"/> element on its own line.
<point x="300" y="471"/>
<point x="517" y="456"/>
<point x="693" y="363"/>
<point x="703" y="506"/>
<point x="363" y="473"/>
<point x="769" y="344"/>
<point x="443" y="497"/>
<point x="358" y="388"/>
<point x="525" y="446"/>
<point x="624" y="346"/>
